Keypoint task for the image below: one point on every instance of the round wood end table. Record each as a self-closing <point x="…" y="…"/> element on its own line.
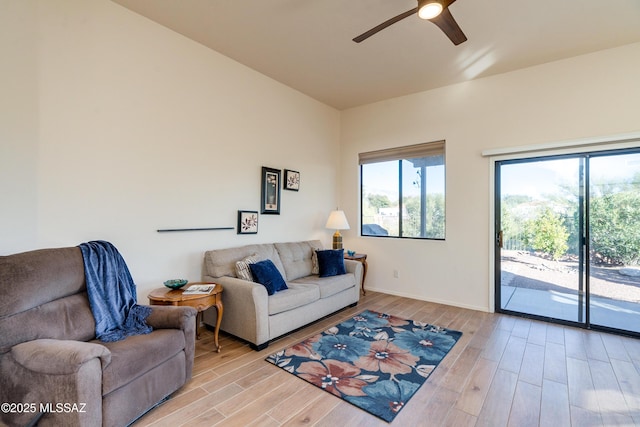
<point x="201" y="302"/>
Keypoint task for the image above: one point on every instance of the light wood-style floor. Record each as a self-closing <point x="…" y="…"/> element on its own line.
<point x="504" y="371"/>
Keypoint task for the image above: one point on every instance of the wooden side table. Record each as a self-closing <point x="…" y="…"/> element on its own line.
<point x="166" y="296"/>
<point x="362" y="258"/>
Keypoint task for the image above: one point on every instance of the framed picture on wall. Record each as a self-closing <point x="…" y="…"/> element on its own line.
<point x="270" y="195"/>
<point x="247" y="222"/>
<point x="291" y="180"/>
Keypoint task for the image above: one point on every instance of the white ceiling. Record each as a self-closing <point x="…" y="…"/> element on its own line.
<point x="306" y="44"/>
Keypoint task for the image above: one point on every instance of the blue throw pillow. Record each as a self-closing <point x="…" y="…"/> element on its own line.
<point x="331" y="262"/>
<point x="266" y="273"/>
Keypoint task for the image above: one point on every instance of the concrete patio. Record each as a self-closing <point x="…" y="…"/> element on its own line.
<point x="607" y="312"/>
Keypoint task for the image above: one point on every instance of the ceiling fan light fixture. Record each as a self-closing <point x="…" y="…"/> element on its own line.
<point x="429" y="9"/>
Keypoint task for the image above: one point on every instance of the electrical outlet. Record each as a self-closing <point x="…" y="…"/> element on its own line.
<point x="396" y="274"/>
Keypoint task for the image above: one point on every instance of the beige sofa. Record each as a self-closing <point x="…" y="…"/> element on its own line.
<point x="251" y="314"/>
<point x="52" y="369"/>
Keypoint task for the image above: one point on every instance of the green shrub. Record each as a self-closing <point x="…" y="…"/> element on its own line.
<point x="547" y="233"/>
<point x="615" y="227"/>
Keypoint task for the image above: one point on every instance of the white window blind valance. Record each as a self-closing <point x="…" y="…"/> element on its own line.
<point x="429" y="149"/>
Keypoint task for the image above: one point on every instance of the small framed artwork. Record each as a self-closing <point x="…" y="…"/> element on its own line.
<point x="291" y="180"/>
<point x="247" y="222"/>
<point x="270" y="196"/>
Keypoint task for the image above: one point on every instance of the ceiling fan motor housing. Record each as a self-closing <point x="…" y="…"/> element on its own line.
<point x="442" y="19"/>
<point x="429" y="9"/>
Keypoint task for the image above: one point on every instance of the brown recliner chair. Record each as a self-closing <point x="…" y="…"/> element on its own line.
<point x="51" y="366"/>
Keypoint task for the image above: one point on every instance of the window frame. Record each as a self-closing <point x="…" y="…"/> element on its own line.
<point x="401" y="154"/>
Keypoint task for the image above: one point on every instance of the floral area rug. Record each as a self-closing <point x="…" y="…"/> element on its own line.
<point x="374" y="361"/>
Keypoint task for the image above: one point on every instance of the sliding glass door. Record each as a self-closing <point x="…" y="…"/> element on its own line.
<point x="568" y="238"/>
<point x="614" y="241"/>
<point x="539" y="240"/>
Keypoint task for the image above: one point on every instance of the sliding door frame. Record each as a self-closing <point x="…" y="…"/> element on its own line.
<point x="583" y="182"/>
<point x="589" y="147"/>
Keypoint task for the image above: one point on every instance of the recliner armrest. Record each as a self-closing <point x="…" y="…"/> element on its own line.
<point x="58" y="357"/>
<point x="171" y="317"/>
<point x="177" y="317"/>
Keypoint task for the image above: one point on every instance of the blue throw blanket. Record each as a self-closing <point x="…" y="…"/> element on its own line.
<point x="112" y="293"/>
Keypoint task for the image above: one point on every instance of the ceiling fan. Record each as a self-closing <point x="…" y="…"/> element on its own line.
<point x="436" y="11"/>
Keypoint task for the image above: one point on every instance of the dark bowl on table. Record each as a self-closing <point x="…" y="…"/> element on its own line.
<point x="175" y="283"/>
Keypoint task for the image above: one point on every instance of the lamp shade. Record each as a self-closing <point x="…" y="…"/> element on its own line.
<point x="337" y="221"/>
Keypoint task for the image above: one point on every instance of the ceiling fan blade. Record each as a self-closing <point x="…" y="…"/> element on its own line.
<point x="384" y="25"/>
<point x="449" y="26"/>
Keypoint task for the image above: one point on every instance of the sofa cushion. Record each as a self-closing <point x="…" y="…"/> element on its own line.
<point x="243" y="271"/>
<point x="315" y="269"/>
<point x="67" y="318"/>
<point x="135" y="355"/>
<point x="44" y="296"/>
<point x="297" y="295"/>
<point x="222" y="262"/>
<point x="328" y="286"/>
<point x="296" y="257"/>
<point x="331" y="262"/>
<point x="27" y="278"/>
<point x="266" y="273"/>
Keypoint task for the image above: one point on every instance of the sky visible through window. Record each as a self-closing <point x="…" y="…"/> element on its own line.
<point x="540" y="178"/>
<point x="382" y="178"/>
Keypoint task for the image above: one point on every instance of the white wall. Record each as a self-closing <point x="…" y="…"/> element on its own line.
<point x="18" y="125"/>
<point x="114" y="127"/>
<point x="587" y="96"/>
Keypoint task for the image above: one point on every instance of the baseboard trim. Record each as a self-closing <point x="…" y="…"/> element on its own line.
<point x="434" y="300"/>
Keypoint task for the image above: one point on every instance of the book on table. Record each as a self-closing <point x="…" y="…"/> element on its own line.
<point x="200" y="289"/>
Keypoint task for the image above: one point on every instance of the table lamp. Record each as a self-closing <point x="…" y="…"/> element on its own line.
<point x="337" y="221"/>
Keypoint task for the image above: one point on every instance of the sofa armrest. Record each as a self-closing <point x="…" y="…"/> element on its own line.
<point x="58" y="357"/>
<point x="356" y="268"/>
<point x="246" y="309"/>
<point x="171" y="317"/>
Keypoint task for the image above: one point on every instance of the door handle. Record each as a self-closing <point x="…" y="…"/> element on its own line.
<point x="499" y="239"/>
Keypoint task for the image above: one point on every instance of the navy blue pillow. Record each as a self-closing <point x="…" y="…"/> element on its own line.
<point x="331" y="262"/>
<point x="266" y="273"/>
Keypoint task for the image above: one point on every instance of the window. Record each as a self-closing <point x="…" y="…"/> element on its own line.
<point x="403" y="192"/>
